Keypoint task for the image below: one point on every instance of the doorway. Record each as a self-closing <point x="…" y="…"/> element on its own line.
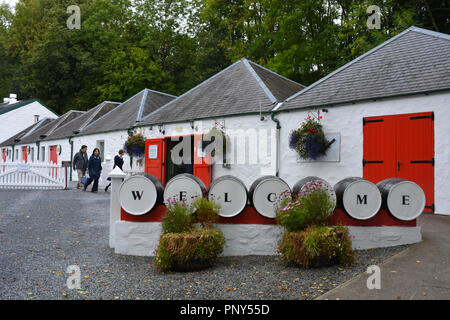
<point x="401" y="146"/>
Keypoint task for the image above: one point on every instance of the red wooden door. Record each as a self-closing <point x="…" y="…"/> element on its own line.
<point x="401" y="146"/>
<point x="25" y="154"/>
<point x="54" y="159"/>
<point x="202" y="162"/>
<point x="4" y="158"/>
<point x="415" y="152"/>
<point x="154" y="158"/>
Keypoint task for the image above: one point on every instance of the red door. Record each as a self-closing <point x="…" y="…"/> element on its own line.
<point x="154" y="158"/>
<point x="25" y="154"/>
<point x="54" y="159"/>
<point x="401" y="146"/>
<point x="202" y="162"/>
<point x="4" y="157"/>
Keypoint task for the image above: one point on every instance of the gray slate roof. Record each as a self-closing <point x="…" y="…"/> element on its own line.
<point x="243" y="87"/>
<point x="48" y="129"/>
<point x="414" y="61"/>
<point x="79" y="123"/>
<point x="129" y="112"/>
<point x="15" y="139"/>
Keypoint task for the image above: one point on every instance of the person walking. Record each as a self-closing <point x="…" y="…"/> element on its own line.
<point x="118" y="162"/>
<point x="80" y="161"/>
<point x="95" y="169"/>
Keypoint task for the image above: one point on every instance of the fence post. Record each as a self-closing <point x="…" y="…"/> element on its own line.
<point x="116" y="176"/>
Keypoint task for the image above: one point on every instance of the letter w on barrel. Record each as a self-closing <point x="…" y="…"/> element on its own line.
<point x="137" y="195"/>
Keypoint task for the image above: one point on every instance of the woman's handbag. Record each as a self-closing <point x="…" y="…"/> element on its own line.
<point x="84" y="180"/>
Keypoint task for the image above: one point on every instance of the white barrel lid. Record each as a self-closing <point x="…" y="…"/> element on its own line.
<point x="137" y="195"/>
<point x="266" y="194"/>
<point x="406" y="200"/>
<point x="362" y="199"/>
<point x="182" y="188"/>
<point x="230" y="193"/>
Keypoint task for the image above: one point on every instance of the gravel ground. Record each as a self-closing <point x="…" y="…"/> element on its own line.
<point x="42" y="232"/>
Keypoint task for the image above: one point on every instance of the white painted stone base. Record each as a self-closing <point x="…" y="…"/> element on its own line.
<point x="141" y="238"/>
<point x="379" y="237"/>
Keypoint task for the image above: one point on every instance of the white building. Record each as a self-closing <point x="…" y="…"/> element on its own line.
<point x="387" y="110"/>
<point x="25" y="146"/>
<point x="15" y="116"/>
<point x="110" y="131"/>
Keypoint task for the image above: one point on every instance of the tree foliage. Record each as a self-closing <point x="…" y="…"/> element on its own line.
<point x="124" y="46"/>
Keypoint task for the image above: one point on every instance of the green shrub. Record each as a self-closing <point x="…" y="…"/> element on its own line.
<point x="189" y="250"/>
<point x="179" y="217"/>
<point x="310" y="207"/>
<point x="206" y="212"/>
<point x="317" y="246"/>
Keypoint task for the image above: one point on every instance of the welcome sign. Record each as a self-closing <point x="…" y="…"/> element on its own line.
<point x="360" y="199"/>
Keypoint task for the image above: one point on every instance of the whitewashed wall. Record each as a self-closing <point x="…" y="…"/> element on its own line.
<point x="113" y="142"/>
<point x="347" y="120"/>
<point x="248" y="171"/>
<point x="21" y="118"/>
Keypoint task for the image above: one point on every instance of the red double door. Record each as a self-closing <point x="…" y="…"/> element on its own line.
<point x="156" y="154"/>
<point x="401" y="146"/>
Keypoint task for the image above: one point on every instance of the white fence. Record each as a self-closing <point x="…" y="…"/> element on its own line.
<point x="32" y="176"/>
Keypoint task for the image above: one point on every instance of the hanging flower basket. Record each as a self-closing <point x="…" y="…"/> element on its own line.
<point x="309" y="140"/>
<point x="135" y="145"/>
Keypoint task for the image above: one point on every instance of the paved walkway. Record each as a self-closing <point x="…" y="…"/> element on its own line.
<point x="420" y="272"/>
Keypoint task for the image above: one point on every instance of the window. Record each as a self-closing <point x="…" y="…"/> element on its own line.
<point x="32" y="155"/>
<point x="42" y="155"/>
<point x="101" y="146"/>
<point x="17" y="154"/>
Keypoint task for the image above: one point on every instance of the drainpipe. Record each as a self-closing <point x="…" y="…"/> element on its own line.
<point x="130" y="133"/>
<point x="38" y="144"/>
<point x="277" y="165"/>
<point x="71" y="157"/>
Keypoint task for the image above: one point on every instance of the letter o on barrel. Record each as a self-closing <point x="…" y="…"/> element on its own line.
<point x="404" y="199"/>
<point x="303" y="185"/>
<point x="184" y="187"/>
<point x="264" y="194"/>
<point x="231" y="193"/>
<point x="360" y="198"/>
<point x="138" y="194"/>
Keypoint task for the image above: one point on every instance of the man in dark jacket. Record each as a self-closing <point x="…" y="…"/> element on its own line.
<point x="80" y="161"/>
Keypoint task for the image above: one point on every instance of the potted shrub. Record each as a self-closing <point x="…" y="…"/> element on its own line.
<point x="308" y="240"/>
<point x="182" y="246"/>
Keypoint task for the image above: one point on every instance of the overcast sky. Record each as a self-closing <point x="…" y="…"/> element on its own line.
<point x="10" y="2"/>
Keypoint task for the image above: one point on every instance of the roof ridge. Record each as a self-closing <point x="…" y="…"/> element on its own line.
<point x="436" y="34"/>
<point x="277" y="74"/>
<point x="60" y="120"/>
<point x="141" y="106"/>
<point x="190" y="90"/>
<point x="348" y="64"/>
<point x="260" y="81"/>
<point x="159" y="92"/>
<point x="36" y="126"/>
<point x="94" y="113"/>
<point x="116" y="108"/>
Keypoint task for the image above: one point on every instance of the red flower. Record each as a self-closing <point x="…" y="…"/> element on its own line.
<point x="311" y="130"/>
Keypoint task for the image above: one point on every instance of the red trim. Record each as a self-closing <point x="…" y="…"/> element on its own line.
<point x="251" y="216"/>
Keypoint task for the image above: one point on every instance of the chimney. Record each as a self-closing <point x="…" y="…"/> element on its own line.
<point x="12" y="98"/>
